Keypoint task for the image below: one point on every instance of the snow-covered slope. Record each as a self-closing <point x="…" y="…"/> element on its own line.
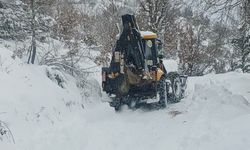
<point x="215" y="115"/>
<point x="32" y="105"/>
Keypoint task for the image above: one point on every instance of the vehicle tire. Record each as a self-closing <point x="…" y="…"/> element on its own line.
<point x="162" y="92"/>
<point x="176" y="90"/>
<point x="116" y="103"/>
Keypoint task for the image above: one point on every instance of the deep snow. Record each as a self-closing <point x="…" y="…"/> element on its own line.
<point x="215" y="115"/>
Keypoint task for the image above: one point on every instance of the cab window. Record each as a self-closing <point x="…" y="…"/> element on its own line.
<point x="148" y="44"/>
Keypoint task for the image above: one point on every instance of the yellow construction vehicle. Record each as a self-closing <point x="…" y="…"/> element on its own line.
<point x="136" y="74"/>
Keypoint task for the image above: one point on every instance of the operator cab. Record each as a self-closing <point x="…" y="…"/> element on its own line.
<point x="152" y="47"/>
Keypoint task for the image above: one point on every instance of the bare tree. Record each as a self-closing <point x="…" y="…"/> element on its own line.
<point x="105" y="28"/>
<point x="200" y="46"/>
<point x="237" y="14"/>
<point x="32" y="53"/>
<point x="160" y="17"/>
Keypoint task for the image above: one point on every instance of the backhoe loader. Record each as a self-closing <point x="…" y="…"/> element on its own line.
<point x="137" y="76"/>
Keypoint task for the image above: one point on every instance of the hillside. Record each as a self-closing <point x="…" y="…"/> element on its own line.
<point x="35" y="101"/>
<point x="40" y="114"/>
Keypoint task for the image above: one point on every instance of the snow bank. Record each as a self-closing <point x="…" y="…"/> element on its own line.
<point x="33" y="106"/>
<point x="217" y="112"/>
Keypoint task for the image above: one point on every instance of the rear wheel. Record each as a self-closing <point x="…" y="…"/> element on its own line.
<point x="175" y="94"/>
<point x="162" y="92"/>
<point x="116" y="103"/>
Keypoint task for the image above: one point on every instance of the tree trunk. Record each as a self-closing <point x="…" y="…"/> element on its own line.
<point x="32" y="55"/>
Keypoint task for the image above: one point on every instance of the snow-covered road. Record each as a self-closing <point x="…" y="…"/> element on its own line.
<point x="215" y="115"/>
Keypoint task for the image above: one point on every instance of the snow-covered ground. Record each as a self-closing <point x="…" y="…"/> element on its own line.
<point x="40" y="115"/>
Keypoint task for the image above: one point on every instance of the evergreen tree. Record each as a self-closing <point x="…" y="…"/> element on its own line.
<point x="242" y="44"/>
